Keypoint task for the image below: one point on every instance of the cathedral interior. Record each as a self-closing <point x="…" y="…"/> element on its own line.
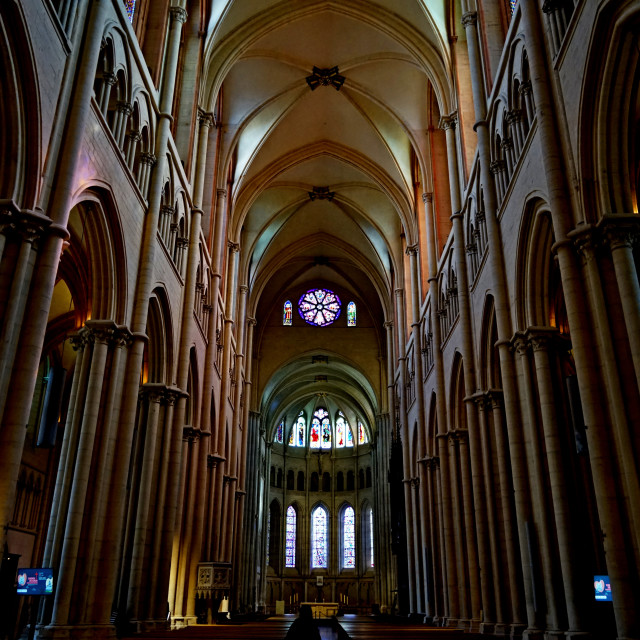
<point x="330" y="301"/>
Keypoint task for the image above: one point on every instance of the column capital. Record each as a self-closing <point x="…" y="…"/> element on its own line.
<point x="497" y="166"/>
<point x="520" y="343"/>
<point x="541" y="337"/>
<point x="205" y="118"/>
<point x="148" y="158"/>
<point x="221" y="193"/>
<point x="584" y="240"/>
<point x="412" y="250"/>
<point x="251" y="321"/>
<point x="469" y="19"/>
<point x="448" y="122"/>
<point x="388" y="324"/>
<point x="124" y="107"/>
<point x="620" y="231"/>
<point x="178" y="14"/>
<point x="427" y="198"/>
<point x="244" y="289"/>
<point x="234" y="247"/>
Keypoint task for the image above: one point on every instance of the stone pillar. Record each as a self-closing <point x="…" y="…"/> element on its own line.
<point x="99" y="336"/>
<point x="421" y="498"/>
<point x="449" y="576"/>
<point x="406" y="462"/>
<point x="544" y="554"/>
<point x="502" y="306"/>
<point x="480" y="557"/>
<point x="577" y="600"/>
<point x="144" y="285"/>
<point x="23" y="377"/>
<point x="148" y="445"/>
<point x="621" y="234"/>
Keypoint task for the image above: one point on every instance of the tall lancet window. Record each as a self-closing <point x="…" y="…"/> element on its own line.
<point x="348" y="538"/>
<point x="362" y="434"/>
<point x="351" y="314"/>
<point x="319" y="538"/>
<point x="287" y="314"/>
<point x="290" y="549"/>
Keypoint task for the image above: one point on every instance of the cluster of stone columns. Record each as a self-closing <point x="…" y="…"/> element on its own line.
<point x="498" y="516"/>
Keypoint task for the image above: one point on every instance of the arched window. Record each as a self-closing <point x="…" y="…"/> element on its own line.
<point x="280" y="433"/>
<point x="290" y="549"/>
<point x="319" y="538"/>
<point x="340" y="481"/>
<point x="362" y="434"/>
<point x="300" y="483"/>
<point x="314" y="433"/>
<point x="326" y="481"/>
<point x="348" y="538"/>
<point x="290" y="480"/>
<point x="296" y="437"/>
<point x="351" y="314"/>
<point x="340" y="430"/>
<point x="287" y="314"/>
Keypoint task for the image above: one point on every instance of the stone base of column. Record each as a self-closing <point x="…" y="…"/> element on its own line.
<point x="533" y="634"/>
<point x="153" y="625"/>
<point x="554" y="634"/>
<point x="516" y="630"/>
<point x="475" y="624"/>
<point x="585" y="635"/>
<point x="488" y="628"/>
<point x="178" y="622"/>
<point x="76" y="632"/>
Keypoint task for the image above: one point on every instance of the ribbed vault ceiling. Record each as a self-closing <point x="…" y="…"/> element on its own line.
<point x="360" y="146"/>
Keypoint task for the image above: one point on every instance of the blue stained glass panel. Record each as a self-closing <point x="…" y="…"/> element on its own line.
<point x="290" y="549"/>
<point x="349" y="538"/>
<point x="319" y="539"/>
<point x="280" y="432"/>
<point x="351" y="314"/>
<point x="287" y="314"/>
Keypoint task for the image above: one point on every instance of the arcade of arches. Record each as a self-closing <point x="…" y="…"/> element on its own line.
<point x="320" y="300"/>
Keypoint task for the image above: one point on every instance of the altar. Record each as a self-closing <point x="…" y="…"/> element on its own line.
<point x="323" y="609"/>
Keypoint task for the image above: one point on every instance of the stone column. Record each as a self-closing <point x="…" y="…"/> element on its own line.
<point x="461" y="558"/>
<point x="488" y="459"/>
<point x="502" y="306"/>
<point x="140" y="542"/>
<point x="144" y="285"/>
<point x="23" y="379"/>
<point x="577" y="599"/>
<point x="99" y="336"/>
<point x="513" y="586"/>
<point x="421" y="498"/>
<point x="481" y="555"/>
<point x="449" y="576"/>
<point x="621" y="234"/>
<point x="406" y="462"/>
<point x="540" y="524"/>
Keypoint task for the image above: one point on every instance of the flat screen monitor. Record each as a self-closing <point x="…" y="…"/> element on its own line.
<point x="35" y="582"/>
<point x="602" y="588"/>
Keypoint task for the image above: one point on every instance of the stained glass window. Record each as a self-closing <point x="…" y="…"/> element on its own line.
<point x="314" y="434"/>
<point x="319" y="538"/>
<point x="296" y="436"/>
<point x="371" y="536"/>
<point x="319" y="307"/>
<point x="287" y="314"/>
<point x="340" y="431"/>
<point x="290" y="550"/>
<point x="326" y="433"/>
<point x="268" y="534"/>
<point x="513" y="4"/>
<point x="349" y="437"/>
<point x="362" y="434"/>
<point x="280" y="433"/>
<point x="130" y="6"/>
<point x="349" y="538"/>
<point x="351" y="314"/>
